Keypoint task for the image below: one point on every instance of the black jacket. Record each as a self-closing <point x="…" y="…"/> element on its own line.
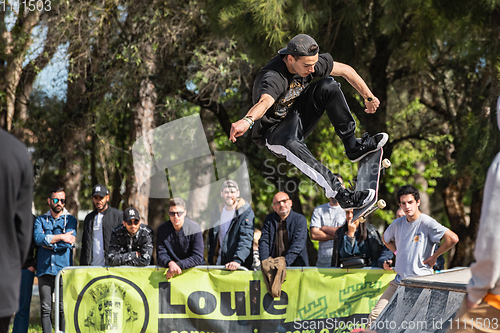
<point x="112" y="218"/>
<point x="238" y="241"/>
<point x="123" y="247"/>
<point x="377" y="254"/>
<point x="16" y="194"/>
<point x="185" y="247"/>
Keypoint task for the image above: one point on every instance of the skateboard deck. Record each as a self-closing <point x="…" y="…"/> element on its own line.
<point x="369" y="169"/>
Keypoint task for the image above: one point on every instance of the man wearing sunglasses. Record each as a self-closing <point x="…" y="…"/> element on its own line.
<point x="179" y="242"/>
<point x="97" y="228"/>
<point x="54" y="233"/>
<point x="131" y="243"/>
<point x="231" y="237"/>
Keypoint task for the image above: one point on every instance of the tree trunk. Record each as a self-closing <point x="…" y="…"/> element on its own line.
<point x="422" y="182"/>
<point x="464" y="254"/>
<point x="75" y="135"/>
<point x="20" y="33"/>
<point x="453" y="196"/>
<point x="199" y="191"/>
<point x="30" y="72"/>
<point x="143" y="116"/>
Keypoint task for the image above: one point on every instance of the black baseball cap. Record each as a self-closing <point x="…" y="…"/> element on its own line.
<point x="300" y="45"/>
<point x="131" y="213"/>
<point x="101" y="190"/>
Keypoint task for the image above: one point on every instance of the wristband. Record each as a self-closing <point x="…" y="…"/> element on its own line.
<point x="369" y="99"/>
<point x="249" y="120"/>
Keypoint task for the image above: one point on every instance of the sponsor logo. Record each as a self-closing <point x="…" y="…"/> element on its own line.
<point x="111" y="304"/>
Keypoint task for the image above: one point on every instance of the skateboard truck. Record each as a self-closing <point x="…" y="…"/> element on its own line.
<point x="380" y="204"/>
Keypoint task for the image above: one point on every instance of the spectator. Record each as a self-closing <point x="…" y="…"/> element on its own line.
<point x="54" y="233"/>
<point x="97" y="228"/>
<point x="230" y="239"/>
<point x="439" y="265"/>
<point x="132" y="242"/>
<point x="481" y="306"/>
<point x="179" y="243"/>
<point x="16" y="177"/>
<point x="22" y="317"/>
<point x="284" y="233"/>
<point x="359" y="244"/>
<point x="399" y="213"/>
<point x="325" y="221"/>
<point x="255" y="247"/>
<point x="414" y="236"/>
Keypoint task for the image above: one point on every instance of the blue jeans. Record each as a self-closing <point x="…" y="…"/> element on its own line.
<point x="22" y="318"/>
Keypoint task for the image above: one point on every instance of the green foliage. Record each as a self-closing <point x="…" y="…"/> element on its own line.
<point x="431" y="63"/>
<point x="216" y="71"/>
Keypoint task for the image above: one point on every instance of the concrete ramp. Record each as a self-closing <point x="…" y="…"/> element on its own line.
<point x="425" y="304"/>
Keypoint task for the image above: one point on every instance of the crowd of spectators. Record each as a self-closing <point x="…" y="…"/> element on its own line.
<point x="114" y="238"/>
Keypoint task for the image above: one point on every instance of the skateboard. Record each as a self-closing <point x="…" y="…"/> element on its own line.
<point x="369" y="169"/>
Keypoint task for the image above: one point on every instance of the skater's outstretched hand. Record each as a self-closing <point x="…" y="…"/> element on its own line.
<point x="238" y="129"/>
<point x="372" y="106"/>
<point x="256" y="112"/>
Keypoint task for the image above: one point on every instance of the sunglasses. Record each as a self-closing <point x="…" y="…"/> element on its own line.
<point x="63" y="201"/>
<point x="135" y="222"/>
<point x="176" y="213"/>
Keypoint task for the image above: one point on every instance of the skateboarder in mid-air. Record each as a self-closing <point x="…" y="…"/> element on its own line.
<point x="287" y="108"/>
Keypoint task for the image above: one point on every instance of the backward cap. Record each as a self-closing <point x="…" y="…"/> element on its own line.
<point x="300" y="45"/>
<point x="230" y="183"/>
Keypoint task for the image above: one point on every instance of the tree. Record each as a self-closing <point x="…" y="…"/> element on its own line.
<point x="17" y="77"/>
<point x="405" y="51"/>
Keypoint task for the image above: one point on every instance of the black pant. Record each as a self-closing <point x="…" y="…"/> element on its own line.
<point x="4" y="324"/>
<point x="46" y="286"/>
<point x="287" y="139"/>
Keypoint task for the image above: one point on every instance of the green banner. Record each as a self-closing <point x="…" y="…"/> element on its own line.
<point x="128" y="299"/>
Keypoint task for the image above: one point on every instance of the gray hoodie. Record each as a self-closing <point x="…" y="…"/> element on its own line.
<point x="486" y="270"/>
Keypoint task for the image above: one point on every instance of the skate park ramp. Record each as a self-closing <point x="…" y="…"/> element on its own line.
<point x="425" y="304"/>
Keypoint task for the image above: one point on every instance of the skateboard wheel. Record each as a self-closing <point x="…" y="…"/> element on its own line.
<point x="381" y="204"/>
<point x="386" y="163"/>
<point x="362" y="219"/>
